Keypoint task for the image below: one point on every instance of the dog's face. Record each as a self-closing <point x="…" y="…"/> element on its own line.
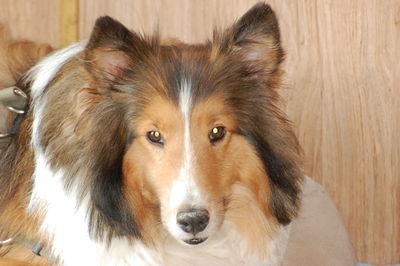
<point x="189" y="130"/>
<point x="185" y="151"/>
<point x="191" y="152"/>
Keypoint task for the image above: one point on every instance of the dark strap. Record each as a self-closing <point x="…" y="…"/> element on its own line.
<point x="16" y="100"/>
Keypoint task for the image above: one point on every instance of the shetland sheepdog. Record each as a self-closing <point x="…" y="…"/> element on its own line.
<point x="136" y="151"/>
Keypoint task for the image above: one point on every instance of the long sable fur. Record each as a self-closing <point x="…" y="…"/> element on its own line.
<point x="242" y="63"/>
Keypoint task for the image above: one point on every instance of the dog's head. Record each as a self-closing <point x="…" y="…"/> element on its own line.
<point x="174" y="134"/>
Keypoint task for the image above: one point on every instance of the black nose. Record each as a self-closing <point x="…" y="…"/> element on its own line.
<point x="193" y="221"/>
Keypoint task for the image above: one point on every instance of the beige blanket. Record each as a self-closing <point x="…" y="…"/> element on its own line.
<point x="318" y="236"/>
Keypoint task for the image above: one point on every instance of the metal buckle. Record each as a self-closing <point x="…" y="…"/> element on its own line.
<point x="19" y="93"/>
<point x="6" y="242"/>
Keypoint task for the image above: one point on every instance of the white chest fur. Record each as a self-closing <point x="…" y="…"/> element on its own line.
<point x="225" y="249"/>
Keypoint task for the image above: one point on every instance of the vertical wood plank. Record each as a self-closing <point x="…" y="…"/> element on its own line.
<point x="69" y="22"/>
<point x="36" y="20"/>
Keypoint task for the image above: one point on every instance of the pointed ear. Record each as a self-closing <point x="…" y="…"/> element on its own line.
<point x="255" y="39"/>
<point x="108" y="58"/>
<point x="111" y="49"/>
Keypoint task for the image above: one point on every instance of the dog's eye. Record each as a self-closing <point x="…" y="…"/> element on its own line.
<point x="155" y="137"/>
<point x="216" y="134"/>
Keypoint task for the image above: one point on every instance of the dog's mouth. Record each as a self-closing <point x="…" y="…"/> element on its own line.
<point x="195" y="240"/>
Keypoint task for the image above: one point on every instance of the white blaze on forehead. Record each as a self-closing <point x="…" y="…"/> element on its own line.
<point x="185" y="191"/>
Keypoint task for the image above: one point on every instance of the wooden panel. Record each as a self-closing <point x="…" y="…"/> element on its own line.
<point x="36" y="20"/>
<point x="342" y="92"/>
<point x="344" y="100"/>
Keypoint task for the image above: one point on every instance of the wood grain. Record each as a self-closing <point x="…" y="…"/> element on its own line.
<point x="36" y="20"/>
<point x="342" y="92"/>
<point x="345" y="104"/>
<point x="69" y="22"/>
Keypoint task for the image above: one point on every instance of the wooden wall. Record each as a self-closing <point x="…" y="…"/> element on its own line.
<point x="342" y="88"/>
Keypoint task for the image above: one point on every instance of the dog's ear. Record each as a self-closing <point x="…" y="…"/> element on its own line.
<point x="108" y="57"/>
<point x="112" y="50"/>
<point x="255" y="39"/>
<point x="253" y="50"/>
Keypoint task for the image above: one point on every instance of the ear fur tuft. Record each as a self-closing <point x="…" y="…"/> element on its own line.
<point x="255" y="38"/>
<point x="111" y="50"/>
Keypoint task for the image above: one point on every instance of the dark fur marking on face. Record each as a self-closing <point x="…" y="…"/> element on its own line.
<point x="108" y="199"/>
<point x="284" y="178"/>
<point x="254" y="57"/>
<point x="109" y="205"/>
<point x="268" y="130"/>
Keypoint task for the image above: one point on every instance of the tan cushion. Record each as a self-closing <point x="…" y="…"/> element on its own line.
<point x="318" y="236"/>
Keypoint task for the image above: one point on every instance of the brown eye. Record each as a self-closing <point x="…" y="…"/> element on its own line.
<point x="155" y="137"/>
<point x="216" y="134"/>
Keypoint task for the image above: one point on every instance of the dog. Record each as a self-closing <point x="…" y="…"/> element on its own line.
<point x="136" y="151"/>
